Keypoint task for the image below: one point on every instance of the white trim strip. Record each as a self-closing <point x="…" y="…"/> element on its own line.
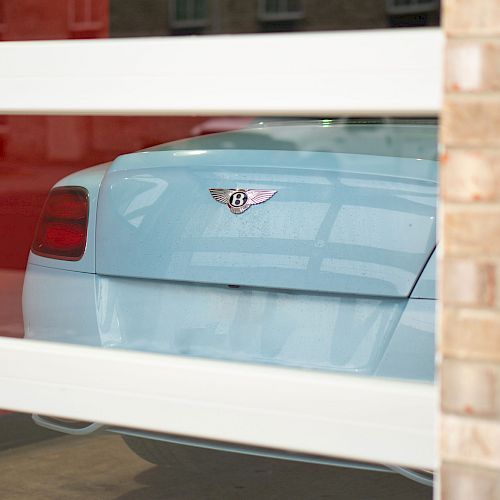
<point x="378" y="72"/>
<point x="309" y="412"/>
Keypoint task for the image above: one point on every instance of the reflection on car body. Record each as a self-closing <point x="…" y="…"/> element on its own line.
<point x="334" y="272"/>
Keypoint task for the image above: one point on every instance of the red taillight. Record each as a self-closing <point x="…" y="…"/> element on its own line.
<point x="62" y="229"/>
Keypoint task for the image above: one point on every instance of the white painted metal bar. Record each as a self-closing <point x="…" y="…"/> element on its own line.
<point x="303" y="411"/>
<point x="377" y="72"/>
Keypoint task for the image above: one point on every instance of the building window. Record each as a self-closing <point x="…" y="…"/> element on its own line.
<point x="280" y="10"/>
<point x="188" y="13"/>
<point x="401" y="7"/>
<point x="84" y="15"/>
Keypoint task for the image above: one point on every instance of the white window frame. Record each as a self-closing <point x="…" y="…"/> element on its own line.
<point x="367" y="419"/>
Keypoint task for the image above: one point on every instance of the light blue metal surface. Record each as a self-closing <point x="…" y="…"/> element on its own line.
<point x="60" y="306"/>
<point x="426" y="285"/>
<point x="287" y="329"/>
<point x="316" y="331"/>
<point x="343" y="223"/>
<point x="411" y="351"/>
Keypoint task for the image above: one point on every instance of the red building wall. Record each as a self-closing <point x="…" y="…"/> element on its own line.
<point x="37" y="151"/>
<point x="53" y="19"/>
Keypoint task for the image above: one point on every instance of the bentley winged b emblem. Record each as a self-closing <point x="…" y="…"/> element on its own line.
<point x="238" y="200"/>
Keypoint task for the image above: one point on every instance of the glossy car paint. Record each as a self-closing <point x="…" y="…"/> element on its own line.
<point x="410" y="353"/>
<point x="426" y="285"/>
<point x="336" y="224"/>
<point x="318" y="277"/>
<point x="369" y="336"/>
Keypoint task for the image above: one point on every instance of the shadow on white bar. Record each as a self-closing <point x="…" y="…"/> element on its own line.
<point x="318" y="413"/>
<point x="376" y="72"/>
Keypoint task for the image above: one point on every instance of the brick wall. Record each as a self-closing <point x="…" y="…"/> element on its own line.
<point x="469" y="339"/>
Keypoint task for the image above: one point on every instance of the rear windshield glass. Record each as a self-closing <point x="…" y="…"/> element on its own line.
<point x="405" y="139"/>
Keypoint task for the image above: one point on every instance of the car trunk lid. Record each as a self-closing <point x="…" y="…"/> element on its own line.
<point x="339" y="223"/>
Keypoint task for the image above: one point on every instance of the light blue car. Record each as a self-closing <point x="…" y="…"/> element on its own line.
<point x="305" y="244"/>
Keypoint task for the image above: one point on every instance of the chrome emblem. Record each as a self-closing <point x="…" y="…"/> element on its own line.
<point x="238" y="200"/>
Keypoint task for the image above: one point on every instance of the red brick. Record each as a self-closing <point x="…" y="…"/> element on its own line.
<point x="472" y="334"/>
<point x="465" y="282"/>
<point x="470" y="441"/>
<point x="471" y="17"/>
<point x="470" y="388"/>
<point x="468" y="483"/>
<point x="470" y="121"/>
<point x="472" y="232"/>
<point x="470" y="175"/>
<point x="472" y="66"/>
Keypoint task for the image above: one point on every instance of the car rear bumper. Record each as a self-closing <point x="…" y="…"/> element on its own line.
<point x="369" y="336"/>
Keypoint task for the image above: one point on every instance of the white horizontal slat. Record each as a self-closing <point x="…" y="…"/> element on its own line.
<point x="303" y="411"/>
<point x="386" y="72"/>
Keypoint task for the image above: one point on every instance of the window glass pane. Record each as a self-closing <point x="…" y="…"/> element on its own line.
<point x="272" y="5"/>
<point x="304" y="243"/>
<point x="316" y="276"/>
<point x="199" y="9"/>
<point x="181" y="10"/>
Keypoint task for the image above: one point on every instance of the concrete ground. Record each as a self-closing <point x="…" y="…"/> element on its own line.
<point x="102" y="467"/>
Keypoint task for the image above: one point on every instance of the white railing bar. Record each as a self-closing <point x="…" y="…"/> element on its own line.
<point x="376" y="72"/>
<point x="345" y="416"/>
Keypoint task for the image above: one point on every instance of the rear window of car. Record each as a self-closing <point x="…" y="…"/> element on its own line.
<point x="404" y="139"/>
